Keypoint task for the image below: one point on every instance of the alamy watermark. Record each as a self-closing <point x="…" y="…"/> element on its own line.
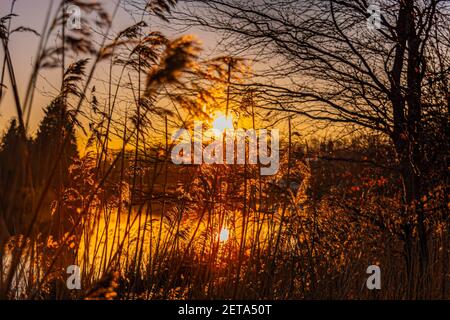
<point x="73" y="13"/>
<point x="228" y="147"/>
<point x="374" y="20"/>
<point x="374" y="280"/>
<point x="74" y="280"/>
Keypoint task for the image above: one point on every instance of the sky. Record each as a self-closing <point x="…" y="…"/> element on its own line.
<point x="23" y="48"/>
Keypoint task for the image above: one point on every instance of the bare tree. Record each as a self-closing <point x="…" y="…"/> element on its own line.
<point x="328" y="60"/>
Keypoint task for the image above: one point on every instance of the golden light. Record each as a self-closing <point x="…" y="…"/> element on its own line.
<point x="224" y="235"/>
<point x="222" y="122"/>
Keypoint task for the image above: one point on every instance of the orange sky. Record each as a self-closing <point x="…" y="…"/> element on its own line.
<point x="23" y="47"/>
